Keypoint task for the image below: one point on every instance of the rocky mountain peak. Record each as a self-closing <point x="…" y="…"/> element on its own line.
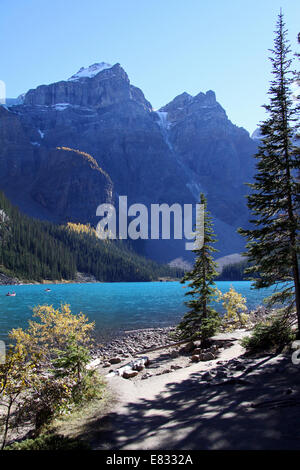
<point x="178" y="102"/>
<point x="91" y="71"/>
<point x="185" y="100"/>
<point x="203" y="105"/>
<point x="168" y="156"/>
<point x="97" y="86"/>
<point x="206" y="99"/>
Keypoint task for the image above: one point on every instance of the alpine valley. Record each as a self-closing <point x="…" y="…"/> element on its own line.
<point x="69" y="146"/>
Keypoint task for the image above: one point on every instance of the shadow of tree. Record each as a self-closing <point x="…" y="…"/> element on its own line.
<point x="259" y="411"/>
<point x="161" y="360"/>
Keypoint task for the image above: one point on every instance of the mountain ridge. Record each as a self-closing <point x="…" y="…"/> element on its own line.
<point x="165" y="156"/>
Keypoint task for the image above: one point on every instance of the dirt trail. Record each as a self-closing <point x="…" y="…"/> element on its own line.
<point x="239" y="403"/>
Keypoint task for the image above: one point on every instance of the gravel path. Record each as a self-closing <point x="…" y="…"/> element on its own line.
<point x="231" y="402"/>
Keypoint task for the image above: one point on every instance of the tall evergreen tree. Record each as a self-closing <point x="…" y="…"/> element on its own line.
<point x="273" y="243"/>
<point x="201" y="321"/>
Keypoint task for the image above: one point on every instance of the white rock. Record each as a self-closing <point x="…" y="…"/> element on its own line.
<point x="93" y="364"/>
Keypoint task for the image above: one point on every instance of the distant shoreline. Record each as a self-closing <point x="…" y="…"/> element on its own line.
<point x="73" y="281"/>
<point x="81" y="278"/>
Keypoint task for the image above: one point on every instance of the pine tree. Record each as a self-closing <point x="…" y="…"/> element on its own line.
<point x="273" y="243"/>
<point x="72" y="360"/>
<point x="201" y="321"/>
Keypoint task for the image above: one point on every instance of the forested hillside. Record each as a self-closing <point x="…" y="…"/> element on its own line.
<point x="234" y="272"/>
<point x="35" y="250"/>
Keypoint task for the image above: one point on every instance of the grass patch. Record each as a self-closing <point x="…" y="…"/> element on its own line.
<point x="85" y="420"/>
<point x="49" y="442"/>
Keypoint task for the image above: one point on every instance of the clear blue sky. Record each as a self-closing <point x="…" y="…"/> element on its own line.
<point x="165" y="46"/>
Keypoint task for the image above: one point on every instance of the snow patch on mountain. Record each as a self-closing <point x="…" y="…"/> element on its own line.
<point x="195" y="189"/>
<point x="61" y="106"/>
<point x="163" y="120"/>
<point x="90" y="71"/>
<point x="164" y="125"/>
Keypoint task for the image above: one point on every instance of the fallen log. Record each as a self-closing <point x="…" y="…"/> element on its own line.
<point x="170" y="345"/>
<point x="178" y="343"/>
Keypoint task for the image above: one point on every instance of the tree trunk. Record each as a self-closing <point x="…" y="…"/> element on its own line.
<point x="6" y="424"/>
<point x="291" y="215"/>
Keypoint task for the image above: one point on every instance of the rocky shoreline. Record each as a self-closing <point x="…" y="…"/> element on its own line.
<point x="133" y="351"/>
<point x="80" y="278"/>
<point x="132" y="342"/>
<point x="138" y="350"/>
<point x="8" y="281"/>
<point x="142" y="354"/>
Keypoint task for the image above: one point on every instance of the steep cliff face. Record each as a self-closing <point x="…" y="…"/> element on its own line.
<point x="70" y="184"/>
<point x="17" y="155"/>
<point x="104" y="87"/>
<point x="216" y="151"/>
<point x="163" y="156"/>
<point x="107" y="117"/>
<point x="50" y="183"/>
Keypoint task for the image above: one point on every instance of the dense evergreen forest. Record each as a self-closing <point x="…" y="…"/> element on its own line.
<point x="234" y="272"/>
<point x="35" y="250"/>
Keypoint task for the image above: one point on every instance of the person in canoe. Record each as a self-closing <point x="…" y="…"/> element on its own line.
<point x="11" y="294"/>
<point x="47" y="290"/>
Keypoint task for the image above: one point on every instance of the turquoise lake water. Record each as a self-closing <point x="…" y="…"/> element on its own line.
<point x="113" y="306"/>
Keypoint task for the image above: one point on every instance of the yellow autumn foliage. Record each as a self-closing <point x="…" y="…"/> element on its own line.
<point x="235" y="308"/>
<point x="51" y="332"/>
<point x="81" y="228"/>
<point x="27" y="379"/>
<point x="86" y="156"/>
<point x="14" y="373"/>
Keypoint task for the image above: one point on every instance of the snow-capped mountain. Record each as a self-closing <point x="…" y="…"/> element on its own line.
<point x="169" y="155"/>
<point x="90" y="71"/>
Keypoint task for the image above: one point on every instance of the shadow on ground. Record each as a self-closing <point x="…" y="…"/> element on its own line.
<point x="261" y="410"/>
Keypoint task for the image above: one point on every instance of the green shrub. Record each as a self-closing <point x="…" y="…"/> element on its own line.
<point x="91" y="387"/>
<point x="49" y="442"/>
<point x="269" y="335"/>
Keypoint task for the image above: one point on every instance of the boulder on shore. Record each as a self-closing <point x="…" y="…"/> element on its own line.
<point x="130" y="369"/>
<point x="206" y="356"/>
<point x="128" y="374"/>
<point x="189" y="347"/>
<point x="115" y="360"/>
